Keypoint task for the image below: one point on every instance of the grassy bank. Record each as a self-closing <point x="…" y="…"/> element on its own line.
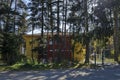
<point x="27" y="66"/>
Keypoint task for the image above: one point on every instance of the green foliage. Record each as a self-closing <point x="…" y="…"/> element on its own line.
<point x="10" y="49"/>
<point x="29" y="66"/>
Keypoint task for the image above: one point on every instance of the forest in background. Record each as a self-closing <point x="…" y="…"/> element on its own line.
<point x="89" y="22"/>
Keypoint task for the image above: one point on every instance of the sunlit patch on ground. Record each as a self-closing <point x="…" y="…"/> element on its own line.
<point x="112" y="73"/>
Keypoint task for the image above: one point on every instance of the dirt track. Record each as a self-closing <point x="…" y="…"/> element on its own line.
<point x="112" y="73"/>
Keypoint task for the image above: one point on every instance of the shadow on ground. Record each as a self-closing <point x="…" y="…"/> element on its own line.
<point x="111" y="73"/>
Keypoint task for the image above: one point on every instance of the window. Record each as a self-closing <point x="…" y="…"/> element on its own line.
<point x="50" y="42"/>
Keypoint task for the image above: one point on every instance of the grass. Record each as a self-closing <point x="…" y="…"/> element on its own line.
<point x="28" y="66"/>
<point x="2" y="68"/>
<point x="63" y="65"/>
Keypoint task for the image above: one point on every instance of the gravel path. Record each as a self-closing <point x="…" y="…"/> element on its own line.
<point x="111" y="73"/>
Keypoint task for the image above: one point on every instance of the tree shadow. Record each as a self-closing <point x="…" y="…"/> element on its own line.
<point x="112" y="73"/>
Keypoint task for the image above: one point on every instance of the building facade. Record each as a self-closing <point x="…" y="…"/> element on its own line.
<point x="50" y="48"/>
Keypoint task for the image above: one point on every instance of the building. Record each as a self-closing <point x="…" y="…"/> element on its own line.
<point x="54" y="47"/>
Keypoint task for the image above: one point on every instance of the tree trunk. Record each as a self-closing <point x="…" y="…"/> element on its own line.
<point x="116" y="35"/>
<point x="51" y="25"/>
<point x="86" y="31"/>
<point x="32" y="56"/>
<point x="58" y="30"/>
<point x="42" y="18"/>
<point x="87" y="52"/>
<point x="15" y="15"/>
<point x="58" y="18"/>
